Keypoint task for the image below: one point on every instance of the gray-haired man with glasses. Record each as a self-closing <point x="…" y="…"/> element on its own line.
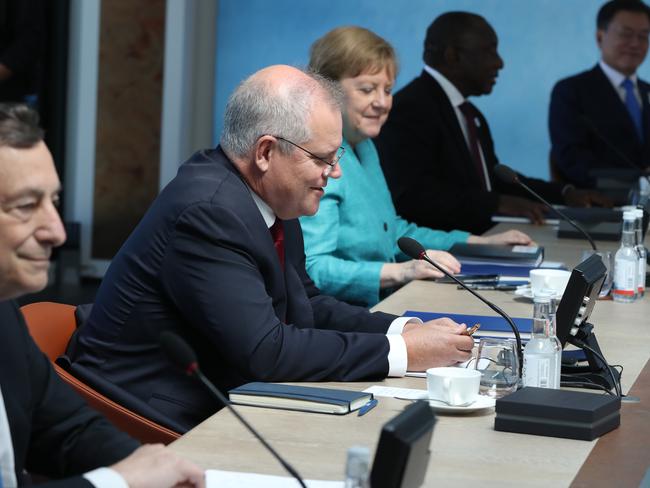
<point x="219" y="259"/>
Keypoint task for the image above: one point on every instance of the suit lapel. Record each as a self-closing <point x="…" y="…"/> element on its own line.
<point x="605" y="95"/>
<point x="644" y="90"/>
<point x="450" y="120"/>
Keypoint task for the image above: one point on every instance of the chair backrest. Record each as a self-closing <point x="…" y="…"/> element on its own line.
<point x="51" y="325"/>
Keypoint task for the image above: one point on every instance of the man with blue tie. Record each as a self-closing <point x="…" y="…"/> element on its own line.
<point x="600" y="119"/>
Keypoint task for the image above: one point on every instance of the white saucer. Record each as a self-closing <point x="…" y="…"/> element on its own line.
<point x="481" y="402"/>
<point x="525" y="291"/>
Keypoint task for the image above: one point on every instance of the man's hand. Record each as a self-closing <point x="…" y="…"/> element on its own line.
<point x="155" y="466"/>
<point x="437" y="343"/>
<point x="521" y="207"/>
<point x="575" y="197"/>
<point x="513" y="237"/>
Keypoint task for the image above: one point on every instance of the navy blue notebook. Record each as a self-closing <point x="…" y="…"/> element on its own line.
<point x="302" y="398"/>
<point x="488" y="323"/>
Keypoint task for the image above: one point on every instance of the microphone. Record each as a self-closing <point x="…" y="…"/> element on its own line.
<point x="621" y="156"/>
<point x="415" y="250"/>
<point x="507" y="175"/>
<point x="181" y="355"/>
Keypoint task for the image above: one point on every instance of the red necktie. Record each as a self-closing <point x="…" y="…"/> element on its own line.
<point x="470" y="114"/>
<point x="277" y="233"/>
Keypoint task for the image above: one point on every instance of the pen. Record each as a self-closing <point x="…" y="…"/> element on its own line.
<point x="368" y="406"/>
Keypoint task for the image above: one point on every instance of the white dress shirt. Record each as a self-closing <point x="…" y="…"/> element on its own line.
<point x="616" y="78"/>
<point x="397" y="353"/>
<point x="456" y="99"/>
<point x="7" y="466"/>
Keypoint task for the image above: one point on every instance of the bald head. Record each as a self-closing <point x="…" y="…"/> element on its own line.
<point x="278" y="100"/>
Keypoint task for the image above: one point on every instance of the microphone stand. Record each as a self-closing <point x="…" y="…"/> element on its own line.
<point x="423" y="256"/>
<point x="562" y="215"/>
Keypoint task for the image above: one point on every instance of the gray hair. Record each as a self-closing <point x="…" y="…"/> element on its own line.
<point x="256" y="108"/>
<point x="19" y="126"/>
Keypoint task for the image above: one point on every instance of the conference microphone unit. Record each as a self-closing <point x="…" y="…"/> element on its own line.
<point x="507" y="175"/>
<point x="181" y="355"/>
<point x="415" y="250"/>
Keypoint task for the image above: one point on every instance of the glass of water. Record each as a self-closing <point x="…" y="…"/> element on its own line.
<point x="498" y="362"/>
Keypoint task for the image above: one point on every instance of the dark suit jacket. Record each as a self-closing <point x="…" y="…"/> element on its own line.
<point x="590" y="127"/>
<point x="429" y="168"/>
<point x="53" y="431"/>
<point x="202" y="264"/>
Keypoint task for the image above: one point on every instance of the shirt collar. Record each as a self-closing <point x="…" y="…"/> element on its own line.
<point x="455" y="97"/>
<point x="615" y="77"/>
<point x="267" y="213"/>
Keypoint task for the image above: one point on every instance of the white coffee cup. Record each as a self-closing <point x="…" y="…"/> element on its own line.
<point x="554" y="280"/>
<point x="454" y="386"/>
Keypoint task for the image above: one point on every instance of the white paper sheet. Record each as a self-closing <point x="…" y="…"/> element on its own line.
<point x="393" y="391"/>
<point x="215" y="478"/>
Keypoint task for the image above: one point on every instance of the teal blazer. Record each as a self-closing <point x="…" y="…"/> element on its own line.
<point x="355" y="231"/>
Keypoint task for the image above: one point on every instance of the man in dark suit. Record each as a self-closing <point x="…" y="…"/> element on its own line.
<point x="45" y="427"/>
<point x="601" y="118"/>
<point x="436" y="149"/>
<point x="219" y="259"/>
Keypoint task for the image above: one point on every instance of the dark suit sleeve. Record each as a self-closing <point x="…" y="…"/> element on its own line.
<point x="67" y="437"/>
<point x="330" y="313"/>
<point x="219" y="286"/>
<point x="570" y="140"/>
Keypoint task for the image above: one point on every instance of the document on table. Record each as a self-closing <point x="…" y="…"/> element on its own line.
<point x="215" y="478"/>
<point x="396" y="392"/>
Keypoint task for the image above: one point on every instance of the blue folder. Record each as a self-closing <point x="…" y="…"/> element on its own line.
<point x="496" y="269"/>
<point x="488" y="323"/>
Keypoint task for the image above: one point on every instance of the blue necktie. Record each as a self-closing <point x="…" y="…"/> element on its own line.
<point x="632" y="105"/>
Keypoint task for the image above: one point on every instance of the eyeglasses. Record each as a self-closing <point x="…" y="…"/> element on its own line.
<point x="330" y="164"/>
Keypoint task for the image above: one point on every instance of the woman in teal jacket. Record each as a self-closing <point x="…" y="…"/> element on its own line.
<point x="351" y="242"/>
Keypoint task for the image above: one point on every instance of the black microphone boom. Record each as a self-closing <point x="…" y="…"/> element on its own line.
<point x="507" y="175"/>
<point x="181" y="354"/>
<point x="621" y="155"/>
<point x="415" y="250"/>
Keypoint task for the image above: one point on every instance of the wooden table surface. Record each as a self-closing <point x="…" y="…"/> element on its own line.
<point x="466" y="449"/>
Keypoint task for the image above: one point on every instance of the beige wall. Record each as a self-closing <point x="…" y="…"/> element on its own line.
<point x="129" y="102"/>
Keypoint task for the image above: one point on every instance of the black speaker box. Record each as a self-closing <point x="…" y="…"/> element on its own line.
<point x="558" y="413"/>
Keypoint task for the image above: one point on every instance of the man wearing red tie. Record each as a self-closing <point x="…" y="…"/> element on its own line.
<point x="219" y="259"/>
<point x="436" y="148"/>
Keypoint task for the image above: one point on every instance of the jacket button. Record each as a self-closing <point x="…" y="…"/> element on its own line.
<point x="385" y="227"/>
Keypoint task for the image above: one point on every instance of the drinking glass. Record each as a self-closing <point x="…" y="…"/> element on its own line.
<point x="498" y="362"/>
<point x="608" y="261"/>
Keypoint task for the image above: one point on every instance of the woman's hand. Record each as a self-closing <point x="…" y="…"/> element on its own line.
<point x="393" y="274"/>
<point x="507" y="237"/>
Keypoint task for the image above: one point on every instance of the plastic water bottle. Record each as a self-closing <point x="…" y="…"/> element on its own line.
<point x="357" y="467"/>
<point x="626" y="263"/>
<point x="543" y="353"/>
<point x="640" y="250"/>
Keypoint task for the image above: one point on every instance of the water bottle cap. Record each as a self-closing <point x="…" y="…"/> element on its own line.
<point x="629" y="215"/>
<point x="638" y="212"/>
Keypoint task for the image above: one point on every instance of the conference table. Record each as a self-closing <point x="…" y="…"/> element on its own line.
<point x="465" y="448"/>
